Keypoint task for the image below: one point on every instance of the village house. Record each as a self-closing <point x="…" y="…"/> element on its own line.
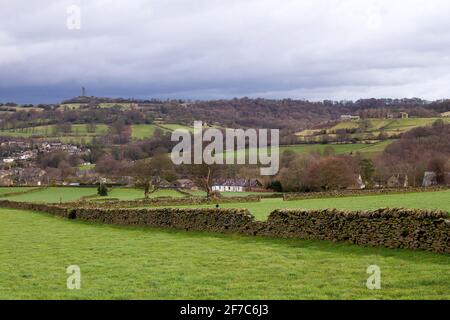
<point x="27" y="155"/>
<point x="30" y="176"/>
<point x="430" y="179"/>
<point x="19" y="144"/>
<point x="237" y="185"/>
<point x="346" y="117"/>
<point x="398" y="181"/>
<point x="400" y="115"/>
<point x="404" y="115"/>
<point x="186" y="184"/>
<point x="5" y="178"/>
<point x="8" y="160"/>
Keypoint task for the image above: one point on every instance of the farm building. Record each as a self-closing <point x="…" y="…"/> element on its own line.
<point x="430" y="179"/>
<point x="236" y="185"/>
<point x="398" y="181"/>
<point x="400" y="115"/>
<point x="185" y="184"/>
<point x="346" y="117"/>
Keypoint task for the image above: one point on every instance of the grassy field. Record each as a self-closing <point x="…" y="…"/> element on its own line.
<point x="135" y="194"/>
<point x="74" y="106"/>
<point x="200" y="193"/>
<point x="365" y="149"/>
<point x="424" y="200"/>
<point x="85" y="167"/>
<point x="143" y="263"/>
<point x="166" y="193"/>
<point x="6" y="190"/>
<point x="173" y="127"/>
<point x="389" y="127"/>
<point x="143" y="131"/>
<point x="77" y="130"/>
<point x="55" y="195"/>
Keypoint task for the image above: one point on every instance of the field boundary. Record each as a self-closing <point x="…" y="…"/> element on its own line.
<point x="413" y="229"/>
<point x="161" y="201"/>
<point x="18" y="193"/>
<point x="353" y="193"/>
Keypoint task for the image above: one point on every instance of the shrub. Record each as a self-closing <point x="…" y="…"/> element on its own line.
<point x="102" y="190"/>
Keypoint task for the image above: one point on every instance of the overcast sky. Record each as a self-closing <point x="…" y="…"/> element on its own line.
<point x="203" y="49"/>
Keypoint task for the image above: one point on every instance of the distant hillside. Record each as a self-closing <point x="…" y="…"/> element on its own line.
<point x="291" y="116"/>
<point x="364" y="130"/>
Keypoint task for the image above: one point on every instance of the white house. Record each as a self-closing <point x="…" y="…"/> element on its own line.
<point x="223" y="188"/>
<point x="8" y="160"/>
<point x="236" y="185"/>
<point x="346" y="117"/>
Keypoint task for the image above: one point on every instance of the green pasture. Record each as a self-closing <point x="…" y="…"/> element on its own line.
<point x="55" y="194"/>
<point x="365" y="149"/>
<point x="395" y="125"/>
<point x="143" y="131"/>
<point x="424" y="200"/>
<point x="173" y="127"/>
<point x="85" y="167"/>
<point x="228" y="194"/>
<point x="389" y="127"/>
<point x="6" y="190"/>
<point x="74" y="106"/>
<point x="137" y="194"/>
<point x="77" y="130"/>
<point x="144" y="263"/>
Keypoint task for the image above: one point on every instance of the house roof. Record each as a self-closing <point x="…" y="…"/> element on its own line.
<point x="246" y="183"/>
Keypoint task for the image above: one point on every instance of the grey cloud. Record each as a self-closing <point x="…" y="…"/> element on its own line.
<point x="213" y="49"/>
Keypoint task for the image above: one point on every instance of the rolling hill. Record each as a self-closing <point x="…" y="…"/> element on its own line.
<point x="366" y="129"/>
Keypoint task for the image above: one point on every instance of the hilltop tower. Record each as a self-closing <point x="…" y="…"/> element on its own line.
<point x="83" y="91"/>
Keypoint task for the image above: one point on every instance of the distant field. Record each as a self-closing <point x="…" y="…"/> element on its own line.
<point x="389" y="127"/>
<point x="173" y="127"/>
<point x="167" y="193"/>
<point x="366" y="149"/>
<point x="77" y="131"/>
<point x="231" y="194"/>
<point x="6" y="190"/>
<point x="372" y="150"/>
<point x="135" y="194"/>
<point x="425" y="200"/>
<point x="125" y="106"/>
<point x="143" y="131"/>
<point x="85" y="167"/>
<point x="55" y="194"/>
<point x="73" y="106"/>
<point x="124" y="194"/>
<point x="338" y="148"/>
